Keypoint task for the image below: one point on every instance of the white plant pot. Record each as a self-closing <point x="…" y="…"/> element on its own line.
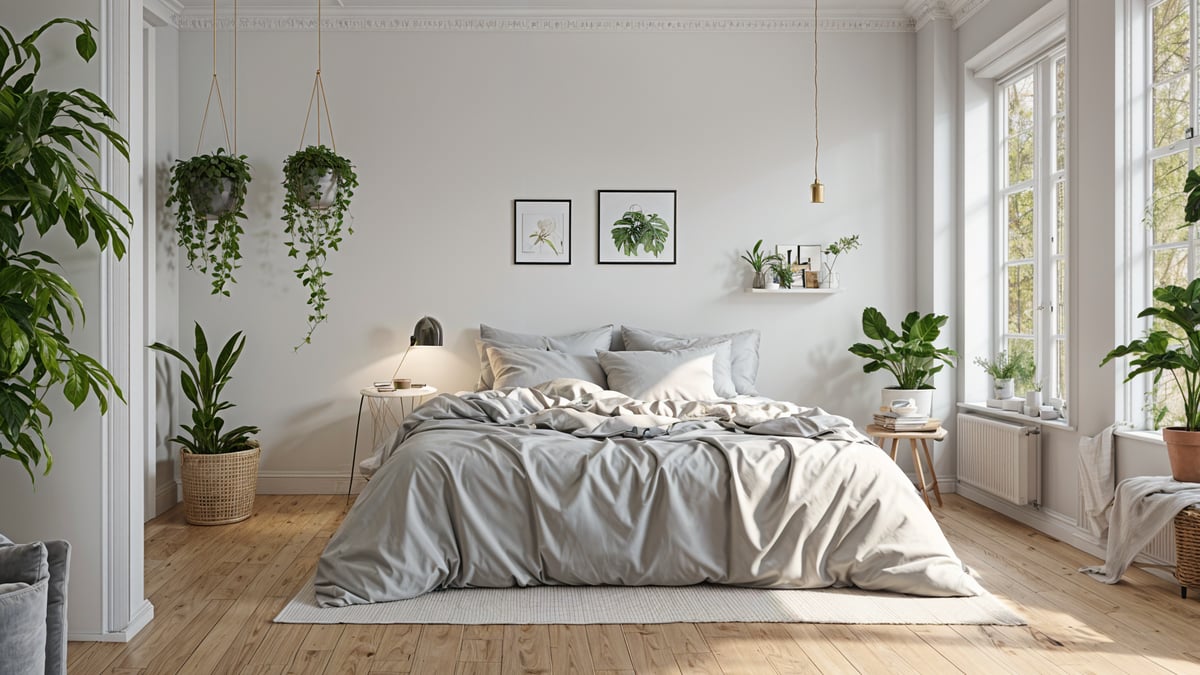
<point x="212" y="199"/>
<point x="1033" y="399"/>
<point x="923" y="398"/>
<point x="1003" y="388"/>
<point x="772" y="285"/>
<point x="326" y="192"/>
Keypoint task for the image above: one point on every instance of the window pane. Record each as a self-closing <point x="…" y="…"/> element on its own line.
<point x="1017" y="346"/>
<point x="1060" y="297"/>
<point x="1060" y="85"/>
<point x="1165" y="214"/>
<point x="1018" y="105"/>
<point x="1059" y="390"/>
<point x="1019" y="151"/>
<point x="1166" y="409"/>
<point x="1020" y="225"/>
<point x="1060" y="218"/>
<point x="1170" y="25"/>
<point x="1170" y="267"/>
<point x="1171" y="111"/>
<point x="1060" y="143"/>
<point x="1020" y="299"/>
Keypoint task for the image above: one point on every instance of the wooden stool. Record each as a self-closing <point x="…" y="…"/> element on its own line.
<point x="879" y="434"/>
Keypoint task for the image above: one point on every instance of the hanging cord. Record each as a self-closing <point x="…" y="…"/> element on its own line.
<point x="216" y="86"/>
<point x="235" y="88"/>
<point x="816" y="95"/>
<point x="318" y="87"/>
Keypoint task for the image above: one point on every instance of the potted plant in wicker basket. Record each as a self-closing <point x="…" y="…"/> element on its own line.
<point x="219" y="468"/>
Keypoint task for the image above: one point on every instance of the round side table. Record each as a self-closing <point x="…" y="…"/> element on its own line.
<point x="384" y="421"/>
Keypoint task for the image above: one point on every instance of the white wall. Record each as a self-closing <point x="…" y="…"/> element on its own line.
<point x="446" y="128"/>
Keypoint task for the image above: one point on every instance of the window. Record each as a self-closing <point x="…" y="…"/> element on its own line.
<point x="1171" y="154"/>
<point x="1031" y="198"/>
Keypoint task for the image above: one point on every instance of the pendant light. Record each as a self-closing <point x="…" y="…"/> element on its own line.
<point x="818" y="189"/>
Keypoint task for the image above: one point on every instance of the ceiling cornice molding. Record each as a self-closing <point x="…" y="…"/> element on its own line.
<point x="965" y="9"/>
<point x="409" y="20"/>
<point x="924" y="11"/>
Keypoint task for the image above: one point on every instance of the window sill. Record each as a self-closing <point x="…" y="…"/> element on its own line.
<point x="983" y="409"/>
<point x="1142" y="435"/>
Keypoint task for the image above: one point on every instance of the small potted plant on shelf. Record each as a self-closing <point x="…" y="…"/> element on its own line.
<point x="219" y="467"/>
<point x="783" y="274"/>
<point x="910" y="355"/>
<point x="208" y="192"/>
<point x="829" y="278"/>
<point x="1005" y="370"/>
<point x="1173" y="347"/>
<point x="318" y="185"/>
<point x="760" y="261"/>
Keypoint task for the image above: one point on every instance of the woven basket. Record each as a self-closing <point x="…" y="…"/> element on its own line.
<point x="1187" y="549"/>
<point x="219" y="489"/>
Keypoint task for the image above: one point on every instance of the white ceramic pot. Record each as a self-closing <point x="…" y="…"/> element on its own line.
<point x="213" y="199"/>
<point x="923" y="398"/>
<point x="1033" y="399"/>
<point x="1003" y="388"/>
<point x="326" y="192"/>
<point x="772" y="284"/>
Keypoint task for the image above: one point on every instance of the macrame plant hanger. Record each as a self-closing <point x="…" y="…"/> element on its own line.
<point x="318" y="98"/>
<point x="215" y="86"/>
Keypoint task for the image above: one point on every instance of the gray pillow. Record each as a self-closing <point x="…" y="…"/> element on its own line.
<point x="521" y="367"/>
<point x="683" y="374"/>
<point x="26" y="576"/>
<point x="584" y="343"/>
<point x="743" y="355"/>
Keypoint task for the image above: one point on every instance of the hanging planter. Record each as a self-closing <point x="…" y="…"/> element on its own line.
<point x="208" y="192"/>
<point x="318" y="185"/>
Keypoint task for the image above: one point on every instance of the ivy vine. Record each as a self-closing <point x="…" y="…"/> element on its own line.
<point x="210" y="240"/>
<point x="314" y="227"/>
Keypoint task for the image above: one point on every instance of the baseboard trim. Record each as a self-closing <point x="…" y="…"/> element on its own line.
<point x="141" y="618"/>
<point x="1048" y="522"/>
<point x="165" y="497"/>
<point x="306" y="483"/>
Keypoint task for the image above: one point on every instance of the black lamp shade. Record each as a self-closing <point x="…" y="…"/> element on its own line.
<point x="427" y="333"/>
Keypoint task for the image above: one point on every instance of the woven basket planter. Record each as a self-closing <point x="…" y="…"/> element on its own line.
<point x="1187" y="549"/>
<point x="219" y="489"/>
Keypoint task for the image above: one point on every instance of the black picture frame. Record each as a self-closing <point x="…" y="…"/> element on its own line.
<point x="611" y="202"/>
<point x="532" y="207"/>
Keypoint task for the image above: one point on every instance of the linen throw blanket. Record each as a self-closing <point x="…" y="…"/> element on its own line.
<point x="1141" y="508"/>
<point x="580" y="486"/>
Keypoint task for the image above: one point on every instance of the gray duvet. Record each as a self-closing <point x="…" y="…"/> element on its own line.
<point x="556" y="486"/>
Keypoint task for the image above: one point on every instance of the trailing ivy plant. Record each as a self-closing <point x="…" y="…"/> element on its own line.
<point x="210" y="240"/>
<point x="636" y="229"/>
<point x="315" y="228"/>
<point x="51" y="140"/>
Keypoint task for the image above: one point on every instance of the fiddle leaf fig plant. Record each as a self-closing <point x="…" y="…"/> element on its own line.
<point x="52" y="139"/>
<point x="319" y="184"/>
<point x="636" y="229"/>
<point x="208" y="192"/>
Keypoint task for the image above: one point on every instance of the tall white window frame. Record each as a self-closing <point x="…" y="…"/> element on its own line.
<point x="1044" y="332"/>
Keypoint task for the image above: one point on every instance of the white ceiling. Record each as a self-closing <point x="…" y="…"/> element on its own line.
<point x="483" y="6"/>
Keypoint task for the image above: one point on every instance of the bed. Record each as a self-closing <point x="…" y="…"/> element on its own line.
<point x="572" y="481"/>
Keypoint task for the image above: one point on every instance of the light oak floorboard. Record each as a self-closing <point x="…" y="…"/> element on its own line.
<point x="216" y="589"/>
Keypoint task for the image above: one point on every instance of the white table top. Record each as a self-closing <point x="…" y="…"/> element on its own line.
<point x="399" y="393"/>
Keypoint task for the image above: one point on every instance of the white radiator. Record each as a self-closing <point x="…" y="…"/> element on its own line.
<point x="1000" y="458"/>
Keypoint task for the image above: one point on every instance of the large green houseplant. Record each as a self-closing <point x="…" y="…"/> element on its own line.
<point x="208" y="193"/>
<point x="49" y="140"/>
<point x="219" y="466"/>
<point x="318" y="185"/>
<point x="911" y="355"/>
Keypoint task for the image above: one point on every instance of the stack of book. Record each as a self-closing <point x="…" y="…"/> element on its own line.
<point x="893" y="422"/>
<point x="383" y="387"/>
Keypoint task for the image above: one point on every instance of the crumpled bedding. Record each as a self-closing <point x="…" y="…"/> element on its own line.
<point x="577" y="485"/>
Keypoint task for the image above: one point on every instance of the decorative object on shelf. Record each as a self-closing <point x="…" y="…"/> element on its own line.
<point x="1175" y="351"/>
<point x="803" y="259"/>
<point x="761" y="262"/>
<point x="783" y="275"/>
<point x="212" y="188"/>
<point x="542" y="231"/>
<point x="829" y="278"/>
<point x="636" y="226"/>
<point x="911" y="356"/>
<point x="318" y="186"/>
<point x="818" y="189"/>
<point x="219" y="467"/>
<point x="47" y="178"/>
<point x="1005" y="370"/>
<point x="427" y="333"/>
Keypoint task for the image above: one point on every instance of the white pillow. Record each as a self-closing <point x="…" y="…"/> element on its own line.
<point x="683" y="374"/>
<point x="743" y="355"/>
<point x="521" y="367"/>
<point x="584" y="343"/>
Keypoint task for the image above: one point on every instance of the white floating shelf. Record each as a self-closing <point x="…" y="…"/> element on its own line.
<point x="813" y="291"/>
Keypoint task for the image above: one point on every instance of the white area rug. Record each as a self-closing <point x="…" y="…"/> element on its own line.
<point x="656" y="604"/>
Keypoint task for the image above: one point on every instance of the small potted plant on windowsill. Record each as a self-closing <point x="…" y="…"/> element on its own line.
<point x="1005" y="370"/>
<point x="910" y="355"/>
<point x="760" y="261"/>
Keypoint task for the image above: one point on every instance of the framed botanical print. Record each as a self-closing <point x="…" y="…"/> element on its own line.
<point x="636" y="227"/>
<point x="542" y="231"/>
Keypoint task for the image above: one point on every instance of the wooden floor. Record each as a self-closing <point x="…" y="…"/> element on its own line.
<point x="215" y="591"/>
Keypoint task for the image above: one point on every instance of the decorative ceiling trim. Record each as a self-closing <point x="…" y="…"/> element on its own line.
<point x="410" y="21"/>
<point x="965" y="9"/>
<point x="924" y="11"/>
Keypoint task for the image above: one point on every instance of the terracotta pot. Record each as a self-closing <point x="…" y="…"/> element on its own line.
<point x="1183" y="449"/>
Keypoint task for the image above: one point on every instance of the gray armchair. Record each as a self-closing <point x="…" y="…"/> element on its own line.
<point x="33" y="607"/>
